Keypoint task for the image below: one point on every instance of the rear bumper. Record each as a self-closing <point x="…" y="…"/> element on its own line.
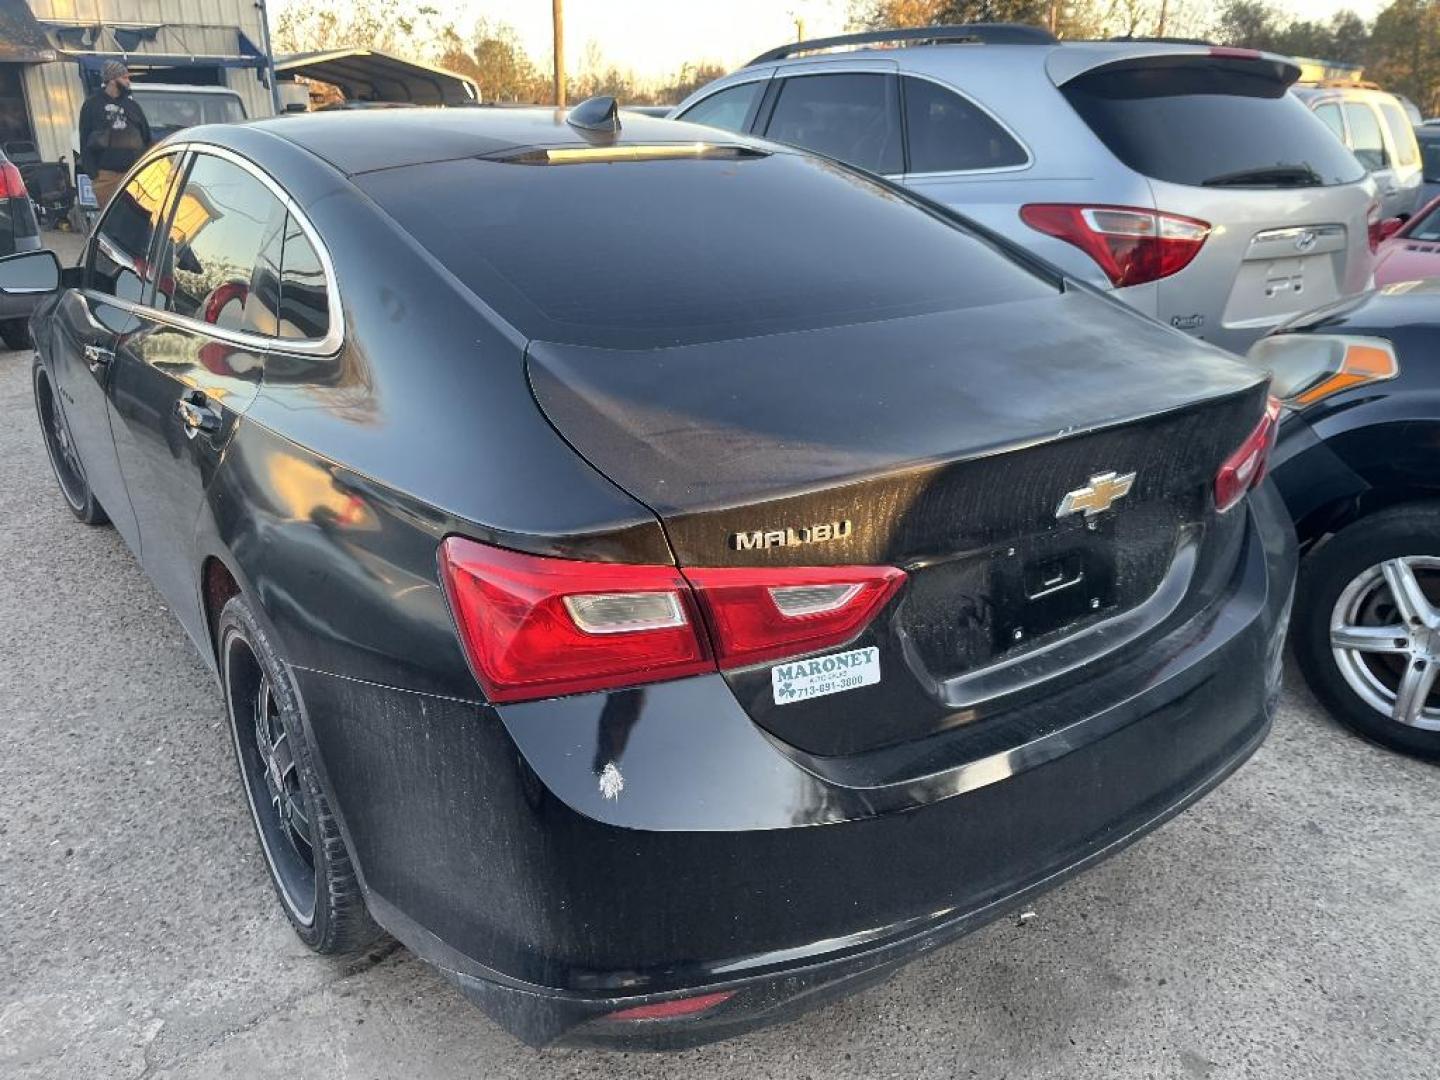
<point x="722" y="864"/>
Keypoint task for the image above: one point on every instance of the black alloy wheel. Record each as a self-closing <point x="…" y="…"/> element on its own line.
<point x="299" y="836"/>
<point x="64" y="457"/>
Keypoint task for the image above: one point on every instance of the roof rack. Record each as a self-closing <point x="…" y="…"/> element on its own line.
<point x="971" y="33"/>
<point x="1345" y="84"/>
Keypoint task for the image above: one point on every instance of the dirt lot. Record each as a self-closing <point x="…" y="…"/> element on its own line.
<point x="1286" y="927"/>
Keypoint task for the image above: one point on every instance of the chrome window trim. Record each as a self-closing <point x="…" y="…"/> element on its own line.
<point x="1028" y="163"/>
<point x="333" y="340"/>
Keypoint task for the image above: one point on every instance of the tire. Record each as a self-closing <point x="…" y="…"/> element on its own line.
<point x="64" y="458"/>
<point x="16" y="334"/>
<point x="299" y="836"/>
<point x="1347" y="583"/>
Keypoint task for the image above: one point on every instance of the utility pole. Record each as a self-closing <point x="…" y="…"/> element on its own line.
<point x="270" y="55"/>
<point x="1164" y="6"/>
<point x="557" y="9"/>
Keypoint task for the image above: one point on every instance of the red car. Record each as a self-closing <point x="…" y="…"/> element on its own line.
<point x="1413" y="252"/>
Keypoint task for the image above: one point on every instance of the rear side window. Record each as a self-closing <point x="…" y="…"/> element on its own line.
<point x="119" y="257"/>
<point x="1365" y="137"/>
<point x="729" y="109"/>
<point x="948" y="133"/>
<point x="852" y="117"/>
<point x="222" y="263"/>
<point x="1401" y="133"/>
<point x="1211" y="123"/>
<point x="1330" y="113"/>
<point x="304" y="302"/>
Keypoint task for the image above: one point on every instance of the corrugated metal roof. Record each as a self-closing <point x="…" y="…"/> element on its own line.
<point x="366" y="75"/>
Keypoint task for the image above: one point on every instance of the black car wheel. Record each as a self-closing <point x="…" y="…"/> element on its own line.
<point x="1367" y="627"/>
<point x="16" y="333"/>
<point x="300" y="839"/>
<point x="64" y="458"/>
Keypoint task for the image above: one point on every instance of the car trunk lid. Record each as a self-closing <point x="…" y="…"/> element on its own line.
<point x="944" y="444"/>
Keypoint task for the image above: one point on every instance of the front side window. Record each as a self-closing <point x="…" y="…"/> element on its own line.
<point x="729" y="109"/>
<point x="948" y="133"/>
<point x="221" y="263"/>
<point x="852" y="117"/>
<point x="119" y="263"/>
<point x="1365" y="138"/>
<point x="1401" y="133"/>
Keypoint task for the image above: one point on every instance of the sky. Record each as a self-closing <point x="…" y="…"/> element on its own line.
<point x="653" y="37"/>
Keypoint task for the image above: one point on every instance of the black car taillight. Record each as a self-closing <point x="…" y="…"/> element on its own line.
<point x="535" y="627"/>
<point x="1245" y="468"/>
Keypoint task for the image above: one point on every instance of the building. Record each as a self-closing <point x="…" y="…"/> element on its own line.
<point x="51" y="52"/>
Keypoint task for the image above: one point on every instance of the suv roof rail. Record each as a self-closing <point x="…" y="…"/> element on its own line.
<point x="968" y="33"/>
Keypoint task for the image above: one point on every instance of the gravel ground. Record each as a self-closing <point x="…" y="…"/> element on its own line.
<point x="1285" y="927"/>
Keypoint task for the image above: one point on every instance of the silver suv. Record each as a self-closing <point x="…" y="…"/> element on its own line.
<point x="1376" y="128"/>
<point x="1184" y="177"/>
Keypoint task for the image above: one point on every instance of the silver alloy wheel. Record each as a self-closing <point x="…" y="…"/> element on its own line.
<point x="1385" y="635"/>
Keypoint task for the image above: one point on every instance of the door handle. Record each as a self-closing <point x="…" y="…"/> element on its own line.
<point x="97" y="356"/>
<point x="197" y="414"/>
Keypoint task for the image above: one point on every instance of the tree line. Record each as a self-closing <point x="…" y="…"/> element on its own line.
<point x="1400" y="49"/>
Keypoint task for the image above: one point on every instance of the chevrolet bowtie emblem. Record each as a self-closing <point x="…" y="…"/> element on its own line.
<point x="1096" y="496"/>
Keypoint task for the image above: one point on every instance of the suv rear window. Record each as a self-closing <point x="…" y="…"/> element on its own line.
<point x="1209" y="123"/>
<point x="666" y="252"/>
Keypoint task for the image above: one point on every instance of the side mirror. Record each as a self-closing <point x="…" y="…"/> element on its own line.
<point x="1390" y="226"/>
<point x="29" y="272"/>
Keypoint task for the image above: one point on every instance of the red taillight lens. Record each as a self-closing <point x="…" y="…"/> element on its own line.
<point x="1374" y="221"/>
<point x="537" y="627"/>
<point x="1245" y="468"/>
<point x="1131" y="245"/>
<point x="12" y="184"/>
<point x="675" y="1009"/>
<point x="765" y="614"/>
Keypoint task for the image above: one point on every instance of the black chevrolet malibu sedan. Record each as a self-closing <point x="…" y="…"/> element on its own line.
<point x="664" y="579"/>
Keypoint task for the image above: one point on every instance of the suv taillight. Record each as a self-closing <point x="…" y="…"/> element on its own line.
<point x="12" y="184"/>
<point x="1374" y="220"/>
<point x="1131" y="245"/>
<point x="1245" y="468"/>
<point x="535" y="627"/>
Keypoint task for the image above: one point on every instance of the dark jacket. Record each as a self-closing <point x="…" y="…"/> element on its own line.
<point x="113" y="133"/>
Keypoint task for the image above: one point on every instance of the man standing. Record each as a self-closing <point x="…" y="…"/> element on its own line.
<point x="113" y="131"/>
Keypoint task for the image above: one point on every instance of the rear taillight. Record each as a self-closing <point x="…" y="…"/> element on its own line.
<point x="12" y="184"/>
<point x="1245" y="468"/>
<point x="766" y="614"/>
<point x="1131" y="245"/>
<point x="537" y="627"/>
<point x="1374" y="222"/>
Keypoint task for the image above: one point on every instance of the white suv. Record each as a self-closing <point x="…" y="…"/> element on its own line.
<point x="1182" y="176"/>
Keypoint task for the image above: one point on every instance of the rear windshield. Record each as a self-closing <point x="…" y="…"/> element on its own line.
<point x="1224" y="124"/>
<point x="658" y="252"/>
<point x="171" y="110"/>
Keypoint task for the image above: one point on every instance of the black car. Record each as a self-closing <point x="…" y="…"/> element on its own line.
<point x="19" y="231"/>
<point x="664" y="579"/>
<point x="1358" y="464"/>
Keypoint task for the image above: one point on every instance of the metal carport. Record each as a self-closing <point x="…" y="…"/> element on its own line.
<point x="365" y="75"/>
